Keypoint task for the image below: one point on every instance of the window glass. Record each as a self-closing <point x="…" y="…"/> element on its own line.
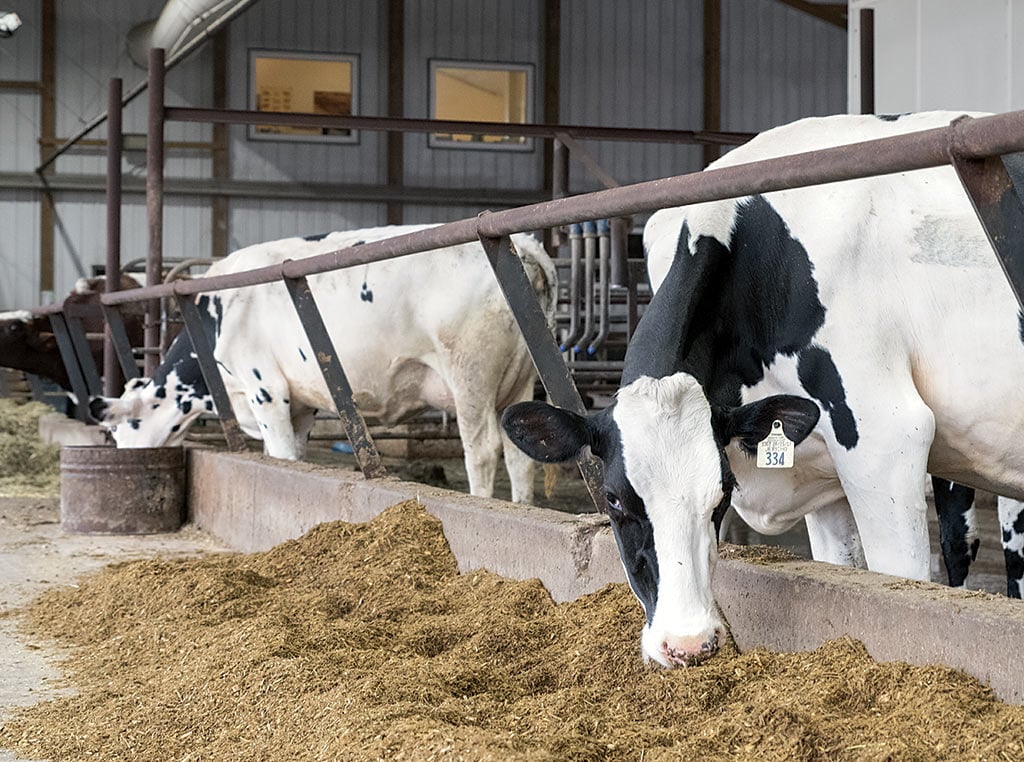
<point x="302" y="83"/>
<point x="481" y="92"/>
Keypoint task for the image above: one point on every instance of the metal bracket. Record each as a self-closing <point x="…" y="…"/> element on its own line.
<point x="997" y="204"/>
<point x="533" y="324"/>
<point x="211" y="373"/>
<point x="120" y="341"/>
<point x="79" y="381"/>
<point x="334" y="376"/>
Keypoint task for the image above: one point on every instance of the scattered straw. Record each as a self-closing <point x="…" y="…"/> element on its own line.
<point x="362" y="642"/>
<point x="28" y="466"/>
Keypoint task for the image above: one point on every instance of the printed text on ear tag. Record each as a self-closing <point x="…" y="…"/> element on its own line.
<point x="776" y="449"/>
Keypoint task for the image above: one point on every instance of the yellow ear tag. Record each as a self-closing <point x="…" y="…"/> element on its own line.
<point x="776" y="449"/>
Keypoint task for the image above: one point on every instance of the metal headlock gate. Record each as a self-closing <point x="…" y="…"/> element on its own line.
<point x="973" y="146"/>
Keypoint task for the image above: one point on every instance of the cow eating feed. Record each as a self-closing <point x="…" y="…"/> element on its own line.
<point x="429" y="330"/>
<point x="875" y="303"/>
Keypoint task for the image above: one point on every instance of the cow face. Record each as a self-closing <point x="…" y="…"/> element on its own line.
<point x="667" y="484"/>
<point x="150" y="414"/>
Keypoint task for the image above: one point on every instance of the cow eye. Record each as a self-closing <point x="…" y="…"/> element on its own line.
<point x="112" y="429"/>
<point x="613" y="502"/>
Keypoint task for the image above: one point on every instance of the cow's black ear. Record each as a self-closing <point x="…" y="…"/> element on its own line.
<point x="752" y="422"/>
<point x="546" y="433"/>
<point x="98" y="407"/>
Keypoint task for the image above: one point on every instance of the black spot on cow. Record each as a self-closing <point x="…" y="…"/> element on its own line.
<point x="727" y="311"/>
<point x="302" y="354"/>
<point x="161" y="392"/>
<point x="317" y="237"/>
<point x="211" y="310"/>
<point x="889" y="117"/>
<point x="256" y="372"/>
<point x="1018" y="524"/>
<point x="176" y="427"/>
<point x="135" y="423"/>
<point x="1020" y="325"/>
<point x="154" y="406"/>
<point x="359" y="243"/>
<point x="185" y="406"/>
<point x="264" y="396"/>
<point x="209" y="405"/>
<point x="366" y="294"/>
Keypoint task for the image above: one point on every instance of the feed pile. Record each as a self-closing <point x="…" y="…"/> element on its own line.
<point x="362" y="642"/>
<point x="28" y="466"/>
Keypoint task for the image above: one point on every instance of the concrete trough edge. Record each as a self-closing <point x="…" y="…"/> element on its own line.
<point x="253" y="503"/>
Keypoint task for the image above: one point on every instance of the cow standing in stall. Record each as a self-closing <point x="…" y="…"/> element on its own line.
<point x="429" y="330"/>
<point x="868" y="319"/>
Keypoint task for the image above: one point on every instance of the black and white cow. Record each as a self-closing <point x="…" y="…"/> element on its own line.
<point x="428" y="330"/>
<point x="876" y="304"/>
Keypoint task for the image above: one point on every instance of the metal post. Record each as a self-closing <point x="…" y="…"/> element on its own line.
<point x="554" y="374"/>
<point x="111" y="385"/>
<point x="620" y="251"/>
<point x="122" y="345"/>
<point x="211" y="373"/>
<point x="79" y="387"/>
<point x="603" y="317"/>
<point x="575" y="254"/>
<point x="334" y="375"/>
<point x="867" y="61"/>
<point x="589" y="259"/>
<point x="154" y="201"/>
<point x="559" y="181"/>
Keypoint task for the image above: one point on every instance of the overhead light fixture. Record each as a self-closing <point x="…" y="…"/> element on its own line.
<point x="9" y="23"/>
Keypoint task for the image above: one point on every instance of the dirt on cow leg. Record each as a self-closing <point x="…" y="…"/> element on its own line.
<point x="365" y="642"/>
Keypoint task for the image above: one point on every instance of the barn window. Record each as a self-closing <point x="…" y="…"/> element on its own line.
<point x="481" y="92"/>
<point x="303" y="83"/>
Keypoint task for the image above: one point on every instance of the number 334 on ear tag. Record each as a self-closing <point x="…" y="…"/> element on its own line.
<point x="776" y="449"/>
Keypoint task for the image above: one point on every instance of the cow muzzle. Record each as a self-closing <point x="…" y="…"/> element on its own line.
<point x="681" y="651"/>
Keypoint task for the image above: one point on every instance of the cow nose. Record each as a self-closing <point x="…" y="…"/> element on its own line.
<point x="687" y="652"/>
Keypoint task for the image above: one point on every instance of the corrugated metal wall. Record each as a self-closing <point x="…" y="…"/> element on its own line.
<point x="631" y="63"/>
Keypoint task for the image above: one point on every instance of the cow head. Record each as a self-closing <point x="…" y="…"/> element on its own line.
<point x="667" y="483"/>
<point x="151" y="414"/>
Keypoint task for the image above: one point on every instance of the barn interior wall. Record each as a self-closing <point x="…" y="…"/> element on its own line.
<point x="630" y="63"/>
<point x="931" y="54"/>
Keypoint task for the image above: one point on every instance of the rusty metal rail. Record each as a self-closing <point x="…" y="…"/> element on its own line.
<point x="968" y="139"/>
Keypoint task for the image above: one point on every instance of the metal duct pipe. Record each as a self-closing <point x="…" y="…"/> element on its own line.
<point x="178" y="20"/>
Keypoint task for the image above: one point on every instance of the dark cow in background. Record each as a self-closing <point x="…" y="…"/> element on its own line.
<point x="27" y="342"/>
<point x="869" y="318"/>
<point x="428" y="330"/>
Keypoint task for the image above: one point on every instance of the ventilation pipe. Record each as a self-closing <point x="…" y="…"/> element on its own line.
<point x="178" y="21"/>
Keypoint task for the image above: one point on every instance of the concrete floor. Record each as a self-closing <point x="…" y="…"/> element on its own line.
<point x="36" y="554"/>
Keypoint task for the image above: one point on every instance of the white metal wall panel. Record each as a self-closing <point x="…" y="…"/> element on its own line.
<point x="253" y="220"/>
<point x="942" y="54"/>
<point x="19" y="54"/>
<point x="633" y="65"/>
<point x="778" y="65"/>
<point x="506" y="31"/>
<point x="356" y="27"/>
<point x="19" y="131"/>
<point x="19" y="242"/>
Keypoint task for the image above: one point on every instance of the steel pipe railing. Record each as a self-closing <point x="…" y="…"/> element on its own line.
<point x="970" y="138"/>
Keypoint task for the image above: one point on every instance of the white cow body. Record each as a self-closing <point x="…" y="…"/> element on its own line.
<point x="868" y="317"/>
<point x="428" y="330"/>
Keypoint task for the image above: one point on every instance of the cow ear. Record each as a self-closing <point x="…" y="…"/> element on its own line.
<point x="544" y="432"/>
<point x="752" y="422"/>
<point x="99" y="408"/>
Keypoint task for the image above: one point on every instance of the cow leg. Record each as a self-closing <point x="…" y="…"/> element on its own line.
<point x="481" y="437"/>
<point x="520" y="470"/>
<point x="302" y="425"/>
<point x="274" y="418"/>
<point x="832" y="532"/>
<point x="958" y="538"/>
<point x="1011" y="521"/>
<point x="883" y="476"/>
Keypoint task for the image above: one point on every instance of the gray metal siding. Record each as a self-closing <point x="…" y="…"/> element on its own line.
<point x="19" y="228"/>
<point x="506" y="31"/>
<point x="255" y="220"/>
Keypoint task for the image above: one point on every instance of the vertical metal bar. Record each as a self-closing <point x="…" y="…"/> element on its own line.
<point x="712" y="74"/>
<point x="334" y="376"/>
<point x="559" y="181"/>
<point x="867" y="61"/>
<point x="220" y="166"/>
<point x="554" y="374"/>
<point x="122" y="345"/>
<point x="154" y="201"/>
<point x="395" y="146"/>
<point x="589" y="258"/>
<point x="211" y="373"/>
<point x="999" y="208"/>
<point x="86" y="361"/>
<point x="620" y="251"/>
<point x="70" y="359"/>
<point x="603" y="317"/>
<point x="115" y="143"/>
<point x="575" y="252"/>
<point x="47" y="139"/>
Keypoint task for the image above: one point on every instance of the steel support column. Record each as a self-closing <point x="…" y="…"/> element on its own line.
<point x="554" y="374"/>
<point x="334" y="376"/>
<point x="122" y="345"/>
<point x="79" y="384"/>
